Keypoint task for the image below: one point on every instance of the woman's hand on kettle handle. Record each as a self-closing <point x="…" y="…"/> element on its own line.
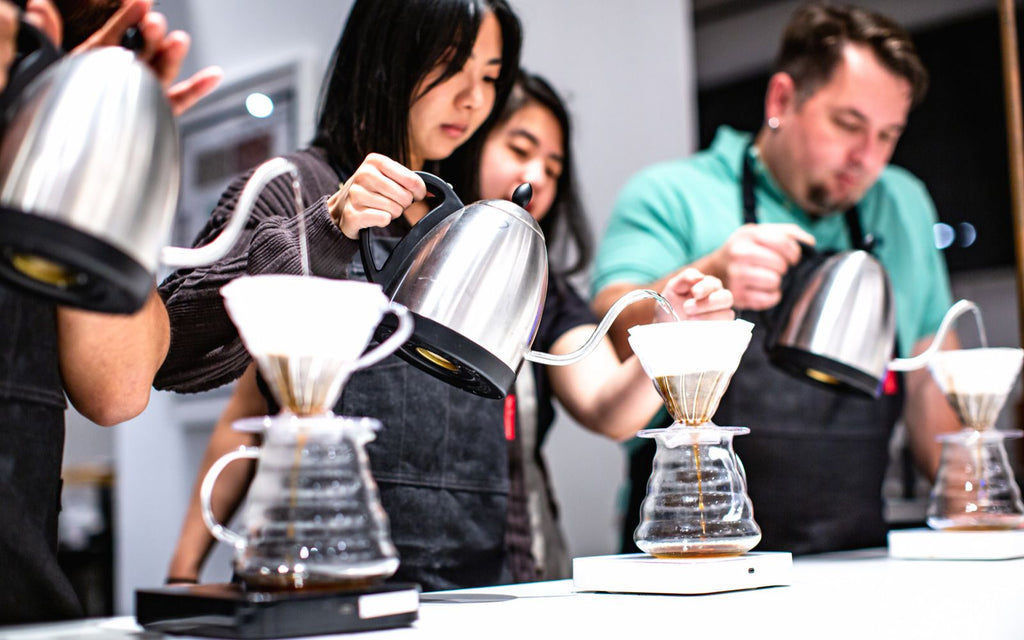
<point x="753" y="260"/>
<point x="377" y="193"/>
<point x="164" y="52"/>
<point x="695" y="296"/>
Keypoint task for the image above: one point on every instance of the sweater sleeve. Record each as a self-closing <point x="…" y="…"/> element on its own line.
<point x="205" y="350"/>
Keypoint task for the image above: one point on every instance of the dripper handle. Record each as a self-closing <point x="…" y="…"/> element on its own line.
<point x="921" y="360"/>
<point x="219" y="246"/>
<point x="395" y="340"/>
<point x="219" y="531"/>
<point x="599" y="333"/>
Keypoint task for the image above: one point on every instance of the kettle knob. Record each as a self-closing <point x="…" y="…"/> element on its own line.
<point x="523" y="194"/>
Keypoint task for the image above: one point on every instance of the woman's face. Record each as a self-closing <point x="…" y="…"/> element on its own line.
<point x="527" y="148"/>
<point x="447" y="115"/>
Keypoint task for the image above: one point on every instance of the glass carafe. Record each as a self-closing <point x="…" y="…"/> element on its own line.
<point x="697" y="503"/>
<point x="313" y="517"/>
<point x="974" y="487"/>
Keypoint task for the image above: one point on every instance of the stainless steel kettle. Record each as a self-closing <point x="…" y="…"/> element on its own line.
<point x="89" y="179"/>
<point x="475" y="279"/>
<point x="836" y="323"/>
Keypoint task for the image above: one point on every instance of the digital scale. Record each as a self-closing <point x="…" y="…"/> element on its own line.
<point x="229" y="611"/>
<point x="642" y="573"/>
<point x="932" y="544"/>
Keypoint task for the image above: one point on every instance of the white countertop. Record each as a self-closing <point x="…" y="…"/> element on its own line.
<point x="863" y="594"/>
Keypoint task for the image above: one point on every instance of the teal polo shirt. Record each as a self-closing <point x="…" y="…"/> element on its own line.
<point x="673" y="213"/>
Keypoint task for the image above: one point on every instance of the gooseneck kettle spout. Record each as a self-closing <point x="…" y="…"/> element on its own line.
<point x="921" y="360"/>
<point x="599" y="333"/>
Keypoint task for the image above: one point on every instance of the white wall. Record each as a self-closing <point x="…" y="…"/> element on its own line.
<point x="628" y="78"/>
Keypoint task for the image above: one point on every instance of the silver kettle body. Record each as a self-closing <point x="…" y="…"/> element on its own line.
<point x="89" y="180"/>
<point x="475" y="279"/>
<point x="91" y="154"/>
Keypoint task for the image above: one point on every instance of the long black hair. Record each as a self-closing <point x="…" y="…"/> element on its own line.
<point x="386" y="49"/>
<point x="566" y="231"/>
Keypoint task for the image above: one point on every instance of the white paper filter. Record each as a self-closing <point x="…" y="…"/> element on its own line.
<point x="976" y="371"/>
<point x="690" y="346"/>
<point x="303" y="315"/>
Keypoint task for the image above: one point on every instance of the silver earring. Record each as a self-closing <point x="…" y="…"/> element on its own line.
<point x="773" y="123"/>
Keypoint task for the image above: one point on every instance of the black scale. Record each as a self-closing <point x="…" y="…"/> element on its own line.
<point x="230" y="611"/>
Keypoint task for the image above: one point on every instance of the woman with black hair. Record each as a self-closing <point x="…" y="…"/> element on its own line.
<point x="531" y="142"/>
<point x="410" y="81"/>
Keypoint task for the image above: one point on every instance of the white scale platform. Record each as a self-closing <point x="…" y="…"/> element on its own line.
<point x="931" y="544"/>
<point x="641" y="573"/>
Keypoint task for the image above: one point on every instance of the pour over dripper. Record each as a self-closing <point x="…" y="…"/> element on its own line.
<point x="691" y="363"/>
<point x="976" y="382"/>
<point x="307" y="333"/>
<point x="697" y="503"/>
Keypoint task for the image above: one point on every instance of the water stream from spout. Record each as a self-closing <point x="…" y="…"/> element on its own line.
<point x="300" y="211"/>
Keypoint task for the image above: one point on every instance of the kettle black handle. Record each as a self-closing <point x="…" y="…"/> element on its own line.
<point x="402" y="252"/>
<point x="35" y="53"/>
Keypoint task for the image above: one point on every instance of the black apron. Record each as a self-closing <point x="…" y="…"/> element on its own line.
<point x="815" y="458"/>
<point x="31" y="449"/>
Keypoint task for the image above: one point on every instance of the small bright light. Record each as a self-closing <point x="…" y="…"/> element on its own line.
<point x="259" y="105"/>
<point x="966" y="234"/>
<point x="944" y="235"/>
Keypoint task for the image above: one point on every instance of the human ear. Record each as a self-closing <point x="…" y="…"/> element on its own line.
<point x="780" y="98"/>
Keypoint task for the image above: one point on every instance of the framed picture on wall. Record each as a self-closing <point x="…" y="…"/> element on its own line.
<point x="228" y="133"/>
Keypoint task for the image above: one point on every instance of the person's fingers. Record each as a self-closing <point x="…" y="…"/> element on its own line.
<point x="754" y="253"/>
<point x="129" y="15"/>
<point x="170" y="54"/>
<point x="183" y="95"/>
<point x="373" y="187"/>
<point x="43" y="15"/>
<point x="706" y="286"/>
<point x="8" y="39"/>
<point x="401" y="175"/>
<point x="784" y="239"/>
<point x="153" y="28"/>
<point x="717" y="301"/>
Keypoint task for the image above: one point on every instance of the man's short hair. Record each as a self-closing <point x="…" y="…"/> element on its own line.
<point x="813" y="42"/>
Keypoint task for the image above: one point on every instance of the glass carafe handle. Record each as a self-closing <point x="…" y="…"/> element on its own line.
<point x="218" y="530"/>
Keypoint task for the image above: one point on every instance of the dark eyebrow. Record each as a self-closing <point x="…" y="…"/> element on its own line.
<point x="533" y="139"/>
<point x="863" y="118"/>
<point x="489" y="62"/>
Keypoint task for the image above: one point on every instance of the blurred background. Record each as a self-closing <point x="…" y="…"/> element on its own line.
<point x="646" y="81"/>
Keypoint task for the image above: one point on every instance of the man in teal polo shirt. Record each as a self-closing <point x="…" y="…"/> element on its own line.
<point x="845" y="82"/>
